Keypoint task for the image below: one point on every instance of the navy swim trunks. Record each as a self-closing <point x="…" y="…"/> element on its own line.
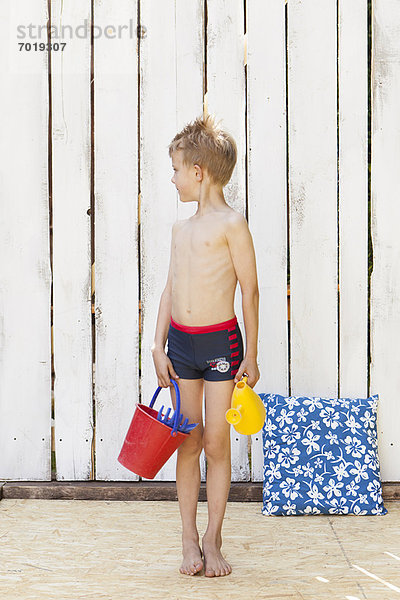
<point x="212" y="352"/>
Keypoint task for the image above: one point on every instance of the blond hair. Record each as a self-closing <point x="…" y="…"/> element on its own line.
<point x="205" y="144"/>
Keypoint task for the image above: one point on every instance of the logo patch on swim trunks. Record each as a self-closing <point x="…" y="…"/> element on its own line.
<point x="222" y="366"/>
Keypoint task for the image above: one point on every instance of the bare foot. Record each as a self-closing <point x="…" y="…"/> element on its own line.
<point x="192" y="562"/>
<point x="214" y="563"/>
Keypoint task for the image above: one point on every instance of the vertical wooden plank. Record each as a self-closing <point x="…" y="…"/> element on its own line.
<point x="385" y="218"/>
<point x="71" y="245"/>
<point x="25" y="338"/>
<point x="267" y="190"/>
<point x="313" y="196"/>
<point x="171" y="72"/>
<point x="116" y="233"/>
<point x="353" y="197"/>
<point x="189" y="18"/>
<point x="226" y="80"/>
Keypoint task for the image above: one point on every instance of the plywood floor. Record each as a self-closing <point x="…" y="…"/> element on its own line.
<point x="80" y="549"/>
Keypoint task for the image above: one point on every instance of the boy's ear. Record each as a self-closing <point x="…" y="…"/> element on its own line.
<point x="199" y="171"/>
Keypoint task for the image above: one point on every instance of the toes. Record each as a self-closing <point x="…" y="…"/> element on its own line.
<point x="208" y="571"/>
<point x="191" y="569"/>
<point x="222" y="571"/>
<point x="216" y="566"/>
<point x="196" y="568"/>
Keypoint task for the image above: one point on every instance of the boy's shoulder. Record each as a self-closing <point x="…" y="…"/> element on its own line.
<point x="233" y="221"/>
<point x="226" y="218"/>
<point x="178" y="224"/>
<point x="235" y="218"/>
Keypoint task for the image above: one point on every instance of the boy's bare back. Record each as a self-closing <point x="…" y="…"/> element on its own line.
<point x="202" y="274"/>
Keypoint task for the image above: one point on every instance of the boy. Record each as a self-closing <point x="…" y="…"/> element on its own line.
<point x="210" y="252"/>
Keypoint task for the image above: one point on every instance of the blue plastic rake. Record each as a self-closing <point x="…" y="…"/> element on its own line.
<point x="184" y="427"/>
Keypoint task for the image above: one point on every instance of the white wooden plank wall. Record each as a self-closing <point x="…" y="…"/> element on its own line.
<point x="385" y="219"/>
<point x="353" y="197"/>
<point x="25" y="277"/>
<point x="190" y="48"/>
<point x="326" y="44"/>
<point x="227" y="99"/>
<point x="267" y="190"/>
<point x="116" y="233"/>
<point x="313" y="196"/>
<point x="171" y="93"/>
<point x="71" y="245"/>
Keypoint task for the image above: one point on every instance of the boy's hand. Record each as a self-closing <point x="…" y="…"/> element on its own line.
<point x="164" y="369"/>
<point x="249" y="367"/>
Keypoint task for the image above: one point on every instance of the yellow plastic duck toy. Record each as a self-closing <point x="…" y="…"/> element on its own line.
<point x="247" y="412"/>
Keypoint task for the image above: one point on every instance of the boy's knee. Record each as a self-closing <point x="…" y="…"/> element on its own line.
<point x="192" y="445"/>
<point x="217" y="449"/>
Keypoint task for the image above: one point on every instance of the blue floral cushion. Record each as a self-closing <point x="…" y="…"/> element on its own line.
<point x="321" y="456"/>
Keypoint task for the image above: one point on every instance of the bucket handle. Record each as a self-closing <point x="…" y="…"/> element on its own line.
<point x="174" y="432"/>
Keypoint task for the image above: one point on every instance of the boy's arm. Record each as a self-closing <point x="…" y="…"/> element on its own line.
<point x="163" y="321"/>
<point x="164" y="311"/>
<point x="244" y="261"/>
<point x="162" y="363"/>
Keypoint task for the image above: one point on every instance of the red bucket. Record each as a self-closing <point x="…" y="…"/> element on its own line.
<point x="149" y="443"/>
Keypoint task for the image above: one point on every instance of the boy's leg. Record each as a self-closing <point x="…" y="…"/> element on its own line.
<point x="188" y="472"/>
<point x="217" y="446"/>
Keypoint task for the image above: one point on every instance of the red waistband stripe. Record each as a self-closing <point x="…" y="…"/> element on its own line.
<point x="206" y="328"/>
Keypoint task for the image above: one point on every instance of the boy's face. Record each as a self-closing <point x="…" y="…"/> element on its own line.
<point x="184" y="178"/>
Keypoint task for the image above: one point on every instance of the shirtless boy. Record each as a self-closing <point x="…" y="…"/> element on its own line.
<point x="210" y="252"/>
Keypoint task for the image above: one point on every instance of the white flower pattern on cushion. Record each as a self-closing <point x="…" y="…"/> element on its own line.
<point x="311" y="442"/>
<point x="321" y="456"/>
<point x="290" y="488"/>
<point x="330" y="417"/>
